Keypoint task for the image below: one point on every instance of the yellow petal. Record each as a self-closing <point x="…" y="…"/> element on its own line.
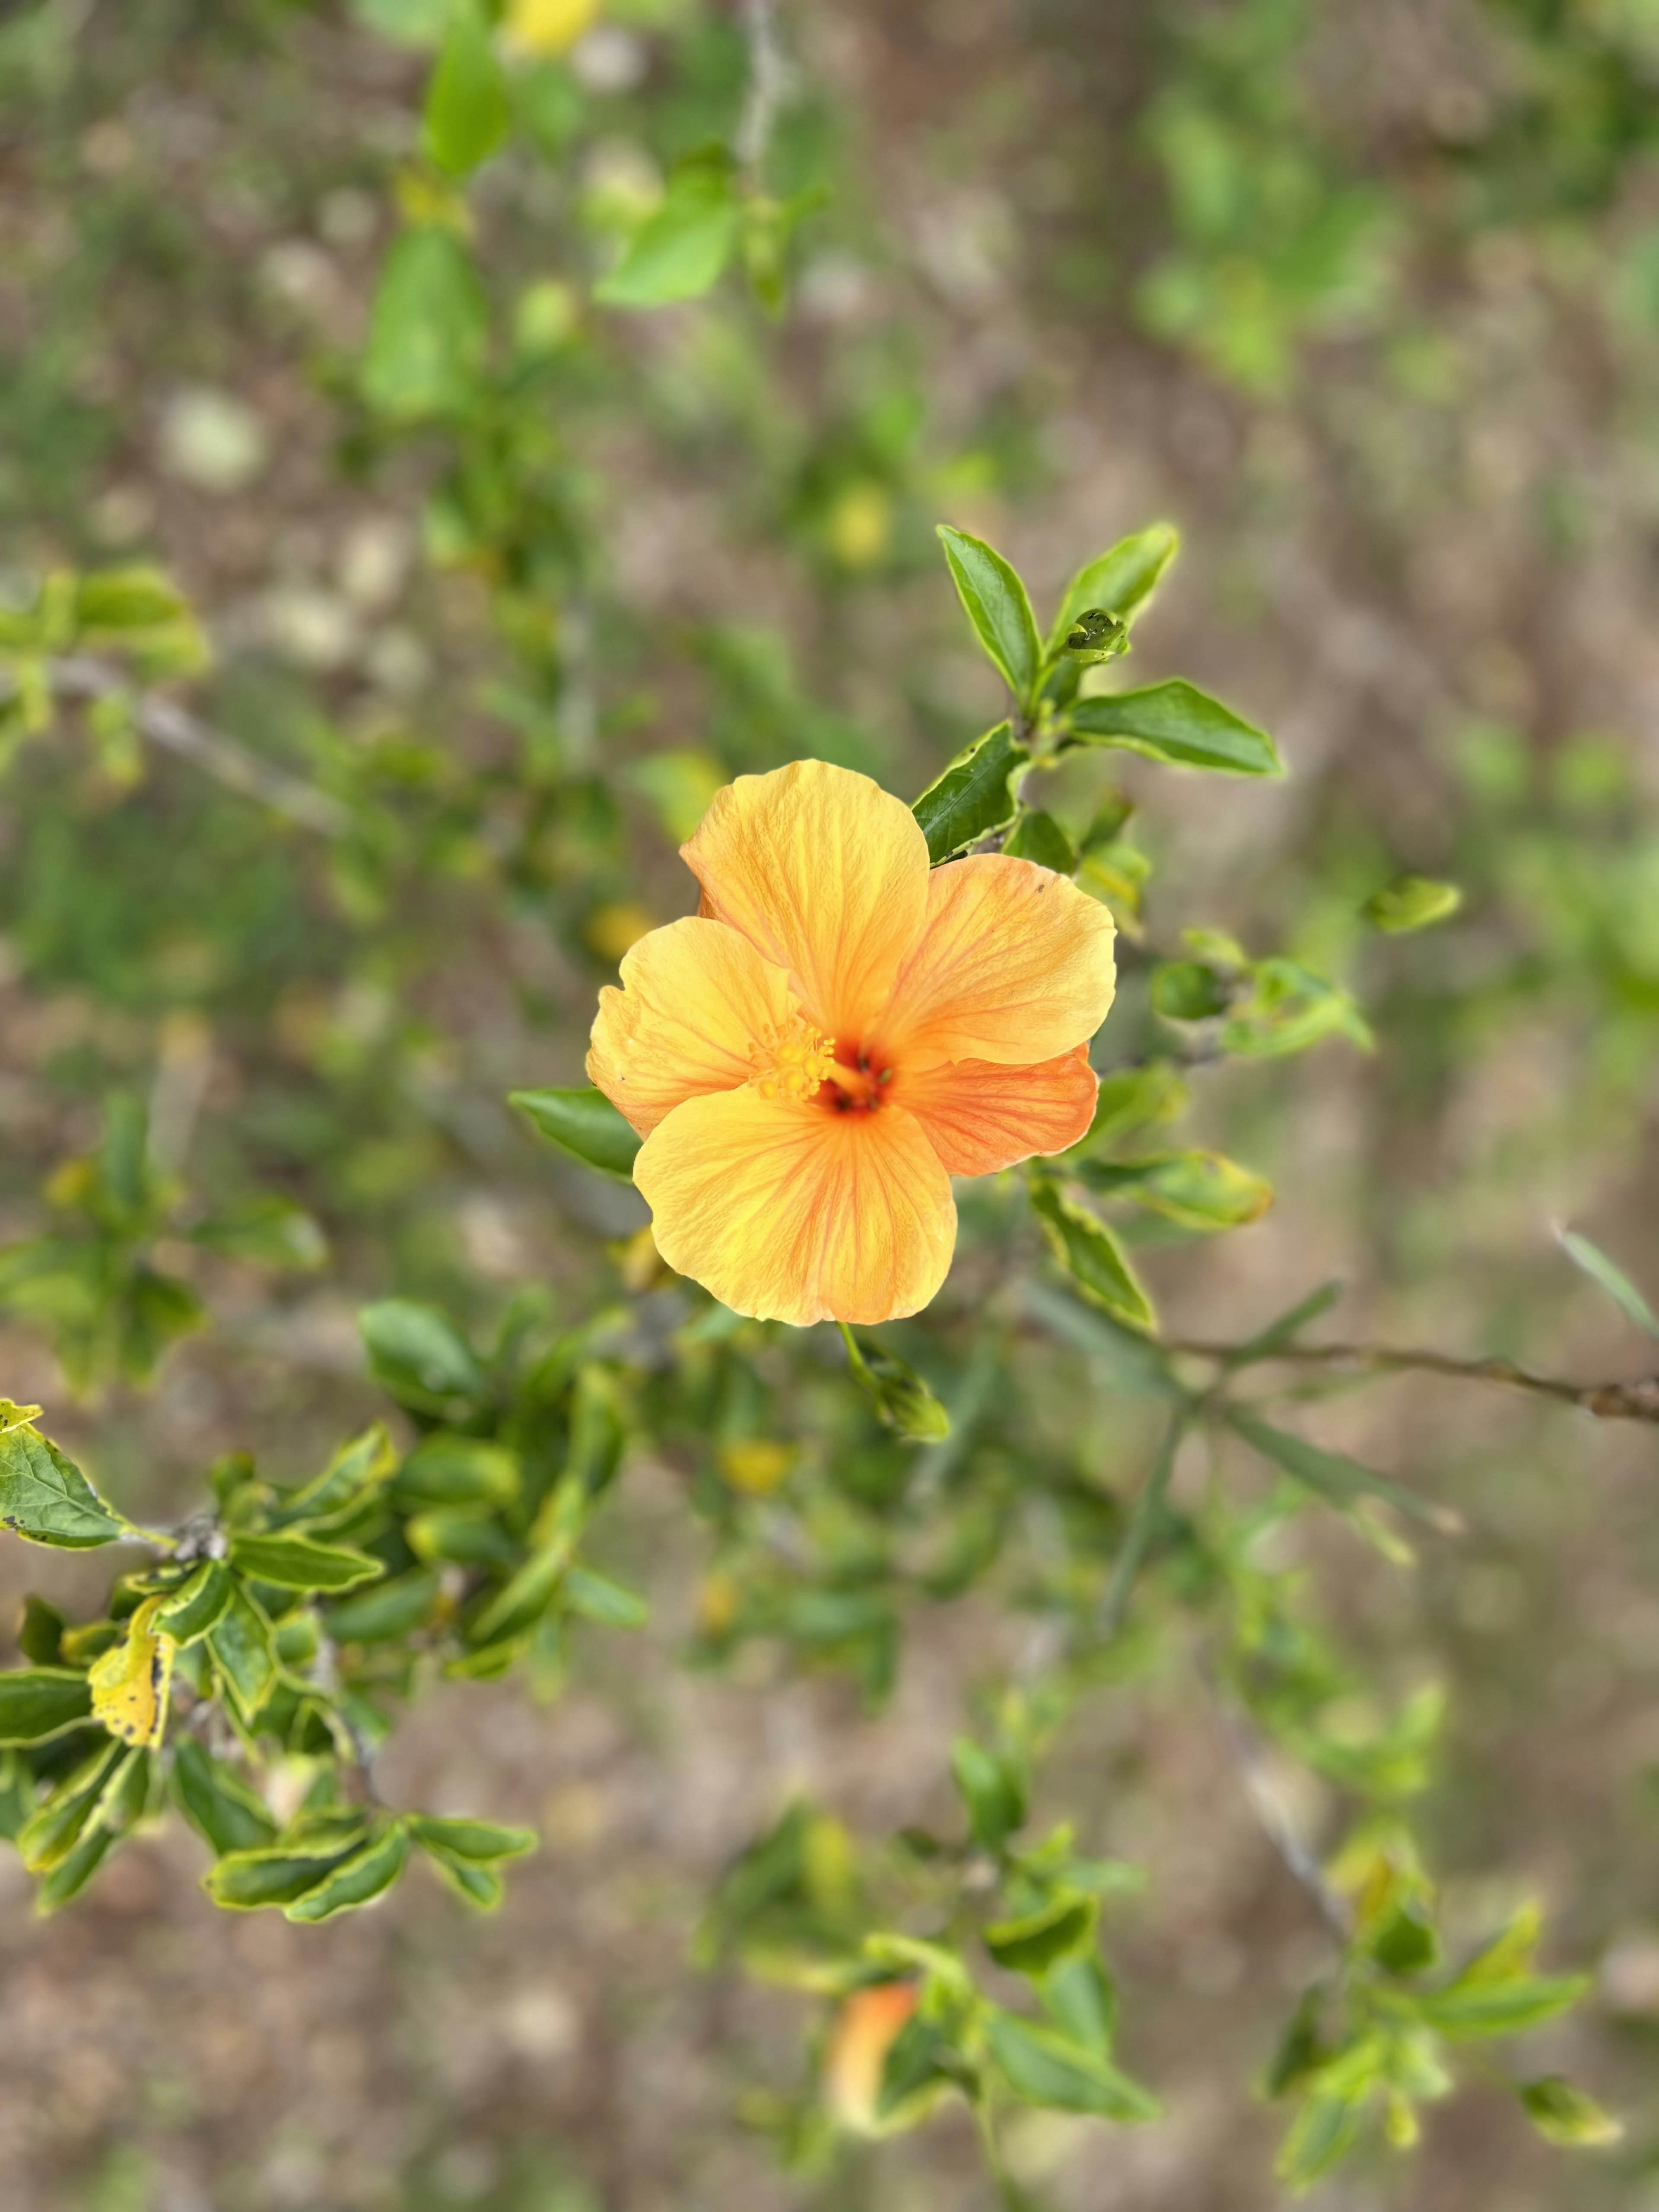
<point x="1015" y="965"/>
<point x="826" y="874"/>
<point x="790" y="1211"/>
<point x="697" y="1002"/>
<point x="980" y="1117"/>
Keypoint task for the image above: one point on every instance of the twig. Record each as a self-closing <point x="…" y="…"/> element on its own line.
<point x="769" y="77"/>
<point x="1115" y="1603"/>
<point x="1249" y="1758"/>
<point x="1634" y="1400"/>
<point x="166" y="723"/>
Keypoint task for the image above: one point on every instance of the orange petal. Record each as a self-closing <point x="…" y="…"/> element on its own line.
<point x="788" y="1211"/>
<point x="980" y="1117"/>
<point x="695" y="1000"/>
<point x="1015" y="965"/>
<point x="825" y="874"/>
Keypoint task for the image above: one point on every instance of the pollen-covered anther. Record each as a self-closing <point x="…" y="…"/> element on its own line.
<point x="791" y="1060"/>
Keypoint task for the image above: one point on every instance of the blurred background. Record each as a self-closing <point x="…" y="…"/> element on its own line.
<point x="1364" y="294"/>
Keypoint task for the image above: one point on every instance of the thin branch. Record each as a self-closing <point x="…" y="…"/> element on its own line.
<point x="164" y="723"/>
<point x="1114" y="1605"/>
<point x="768" y="78"/>
<point x="1634" y="1400"/>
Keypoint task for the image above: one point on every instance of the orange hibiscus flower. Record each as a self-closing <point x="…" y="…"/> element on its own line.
<point x="838" y="1032"/>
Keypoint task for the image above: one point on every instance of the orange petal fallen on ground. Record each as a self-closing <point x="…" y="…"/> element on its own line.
<point x="695" y="1000"/>
<point x="1015" y="965"/>
<point x="980" y="1117"/>
<point x="865" y="2029"/>
<point x="789" y="1213"/>
<point x="826" y="874"/>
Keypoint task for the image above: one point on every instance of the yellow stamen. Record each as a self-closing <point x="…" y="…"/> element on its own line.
<point x="791" y="1060"/>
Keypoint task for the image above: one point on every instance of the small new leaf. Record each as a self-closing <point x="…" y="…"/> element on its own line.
<point x="1412" y="902"/>
<point x="1564" y="2115"/>
<point x="903" y="1400"/>
<point x="1124" y="579"/>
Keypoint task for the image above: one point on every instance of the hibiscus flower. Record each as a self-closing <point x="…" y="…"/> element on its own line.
<point x="837" y="1033"/>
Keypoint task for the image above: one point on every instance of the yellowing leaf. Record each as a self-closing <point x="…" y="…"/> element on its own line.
<point x="548" y="27"/>
<point x="130" y="1682"/>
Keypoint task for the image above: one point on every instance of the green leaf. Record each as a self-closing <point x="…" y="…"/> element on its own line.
<point x="975" y="796"/>
<point x="1600" y="1270"/>
<point x="1091" y="1256"/>
<point x="1129" y="1097"/>
<point x="450" y="1470"/>
<point x="1288" y="1009"/>
<point x="996" y="604"/>
<point x="1178" y="724"/>
<point x="196" y="1604"/>
<point x="38" y="1703"/>
<point x="356" y="1882"/>
<point x="218" y="1803"/>
<point x="1036" y="1941"/>
<point x="482" y="1842"/>
<point x="1079" y="1996"/>
<point x="429" y="329"/>
<point x="1046" y="2068"/>
<point x="1564" y="2115"/>
<point x="417" y="1353"/>
<point x="1473" y="2007"/>
<point x="1201" y="1191"/>
<point x="480" y="1886"/>
<point x="266" y="1232"/>
<point x="596" y="1597"/>
<point x="991" y="1790"/>
<point x="1412" y="902"/>
<point x="357" y="1471"/>
<point x="240" y="1641"/>
<point x="279" y="1874"/>
<point x="46" y="1499"/>
<point x="584" y="1124"/>
<point x="17" y="1417"/>
<point x="467" y="115"/>
<point x="71" y="1874"/>
<point x="1334" y="1476"/>
<point x="385" y="1612"/>
<point x="293" y="1562"/>
<point x="903" y="1400"/>
<point x="40" y="1639"/>
<point x="916" y="2062"/>
<point x="120" y="599"/>
<point x="468" y="1536"/>
<point x="1322" y="2135"/>
<point x="681" y="251"/>
<point x="1188" y="991"/>
<point x="1038" y="837"/>
<point x="52" y="1831"/>
<point x="1121" y="580"/>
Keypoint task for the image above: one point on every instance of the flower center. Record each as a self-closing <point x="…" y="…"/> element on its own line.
<point x="791" y="1060"/>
